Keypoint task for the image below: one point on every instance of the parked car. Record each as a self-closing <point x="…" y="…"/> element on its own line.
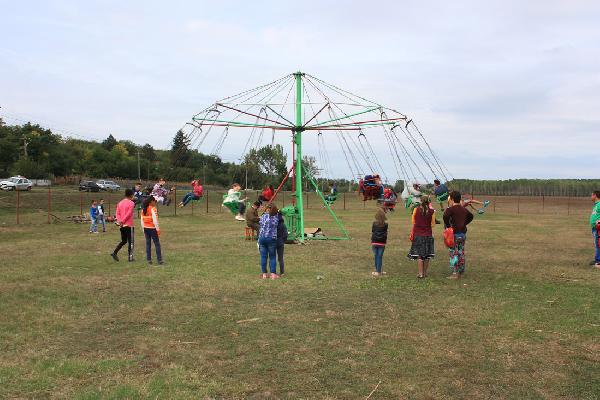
<point x="108" y="185"/>
<point x="16" y="183"/>
<point x="88" y="186"/>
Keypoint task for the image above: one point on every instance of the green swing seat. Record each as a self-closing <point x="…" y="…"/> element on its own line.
<point x="331" y="198"/>
<point x="233" y="206"/>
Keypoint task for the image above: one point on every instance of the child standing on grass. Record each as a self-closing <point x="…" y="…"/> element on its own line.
<point x="252" y="217"/>
<point x="457" y="217"/>
<point x="151" y="229"/>
<point x="267" y="241"/>
<point x="595" y="223"/>
<point x="423" y="246"/>
<point x="379" y="231"/>
<point x="101" y="218"/>
<point x="94" y="217"/>
<point x="282" y="235"/>
<point x="124" y="218"/>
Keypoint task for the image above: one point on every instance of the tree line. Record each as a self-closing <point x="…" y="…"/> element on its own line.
<point x="38" y="153"/>
<point x="528" y="187"/>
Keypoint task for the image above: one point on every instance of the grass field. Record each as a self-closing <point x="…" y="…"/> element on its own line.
<point x="523" y="324"/>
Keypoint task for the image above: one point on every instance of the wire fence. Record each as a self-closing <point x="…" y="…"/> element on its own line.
<point x="67" y="204"/>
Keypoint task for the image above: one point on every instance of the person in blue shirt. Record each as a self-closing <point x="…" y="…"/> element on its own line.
<point x="94" y="217"/>
<point x="267" y="241"/>
<point x="441" y="191"/>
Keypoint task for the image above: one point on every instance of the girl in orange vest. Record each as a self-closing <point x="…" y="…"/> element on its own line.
<point x="151" y="229"/>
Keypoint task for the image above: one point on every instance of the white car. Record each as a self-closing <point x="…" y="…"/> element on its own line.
<point x="16" y="183"/>
<point x="107" y="185"/>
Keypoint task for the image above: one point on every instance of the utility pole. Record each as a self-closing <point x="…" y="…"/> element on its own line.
<point x="25" y="143"/>
<point x="139" y="174"/>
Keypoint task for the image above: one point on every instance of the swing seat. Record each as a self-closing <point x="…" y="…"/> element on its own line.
<point x="372" y="193"/>
<point x="442" y="197"/>
<point x="233" y="206"/>
<point x="330" y="199"/>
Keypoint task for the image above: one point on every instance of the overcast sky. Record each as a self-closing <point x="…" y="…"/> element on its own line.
<point x="502" y="89"/>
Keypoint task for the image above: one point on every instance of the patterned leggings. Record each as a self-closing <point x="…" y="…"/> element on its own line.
<point x="457" y="254"/>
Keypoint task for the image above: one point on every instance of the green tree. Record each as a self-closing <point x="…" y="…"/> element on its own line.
<point x="180" y="152"/>
<point x="109" y="142"/>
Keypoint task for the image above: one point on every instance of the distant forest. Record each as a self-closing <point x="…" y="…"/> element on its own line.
<point x="36" y="152"/>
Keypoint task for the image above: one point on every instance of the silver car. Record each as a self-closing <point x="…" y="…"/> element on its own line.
<point x="16" y="183"/>
<point x="108" y="185"/>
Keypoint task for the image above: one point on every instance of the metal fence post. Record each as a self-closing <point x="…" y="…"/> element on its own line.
<point x="80" y="203"/>
<point x="344" y="201"/>
<point x="518" y="204"/>
<point x="207" y="197"/>
<point x="18" y="204"/>
<point x="543" y="203"/>
<point x="49" y="204"/>
<point x="192" y="207"/>
<point x="569" y="205"/>
<point x="175" y="200"/>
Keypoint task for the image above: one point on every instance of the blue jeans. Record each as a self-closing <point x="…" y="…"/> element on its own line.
<point x="152" y="236"/>
<point x="189" y="197"/>
<point x="596" y="234"/>
<point x="378" y="253"/>
<point x="94" y="226"/>
<point x="100" y="220"/>
<point x="268" y="249"/>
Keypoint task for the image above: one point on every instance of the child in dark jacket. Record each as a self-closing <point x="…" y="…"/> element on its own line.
<point x="282" y="235"/>
<point x="379" y="232"/>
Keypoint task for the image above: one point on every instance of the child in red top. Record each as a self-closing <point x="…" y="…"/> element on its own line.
<point x="195" y="194"/>
<point x="267" y="194"/>
<point x="124" y="218"/>
<point x="422" y="248"/>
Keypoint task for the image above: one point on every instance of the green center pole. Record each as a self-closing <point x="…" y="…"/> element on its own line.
<point x="298" y="169"/>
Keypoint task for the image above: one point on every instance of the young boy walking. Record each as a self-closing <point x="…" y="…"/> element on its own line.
<point x="457" y="217"/>
<point x="124" y="218"/>
<point x="94" y="217"/>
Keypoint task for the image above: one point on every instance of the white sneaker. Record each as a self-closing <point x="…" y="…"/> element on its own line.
<point x="240" y="218"/>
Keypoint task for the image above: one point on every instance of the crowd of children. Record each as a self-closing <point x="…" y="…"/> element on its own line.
<point x="272" y="232"/>
<point x="456" y="218"/>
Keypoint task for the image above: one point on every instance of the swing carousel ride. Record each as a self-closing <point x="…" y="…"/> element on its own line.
<point x="312" y="111"/>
